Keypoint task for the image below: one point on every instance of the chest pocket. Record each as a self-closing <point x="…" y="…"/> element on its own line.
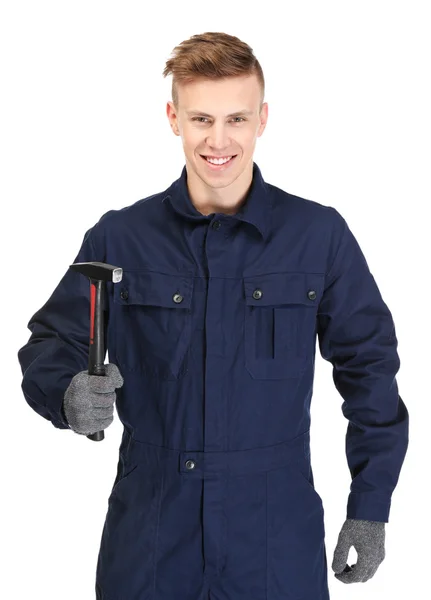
<point x="153" y="323"/>
<point x="280" y="323"/>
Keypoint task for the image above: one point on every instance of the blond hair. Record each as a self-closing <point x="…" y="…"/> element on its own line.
<point x="213" y="55"/>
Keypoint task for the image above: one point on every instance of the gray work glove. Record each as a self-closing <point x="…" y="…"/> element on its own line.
<point x="89" y="400"/>
<point x="368" y="539"/>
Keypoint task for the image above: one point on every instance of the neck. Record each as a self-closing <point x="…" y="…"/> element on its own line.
<point x="227" y="199"/>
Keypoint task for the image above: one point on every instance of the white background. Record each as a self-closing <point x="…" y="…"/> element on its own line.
<point x="84" y="130"/>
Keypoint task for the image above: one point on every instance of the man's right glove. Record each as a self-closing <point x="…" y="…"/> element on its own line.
<point x="89" y="400"/>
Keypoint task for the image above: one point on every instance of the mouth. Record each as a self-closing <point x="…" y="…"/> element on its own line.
<point x="222" y="167"/>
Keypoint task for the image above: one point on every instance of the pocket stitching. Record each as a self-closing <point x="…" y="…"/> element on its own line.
<point x="295" y="358"/>
<point x="140" y="364"/>
<point x="123" y="478"/>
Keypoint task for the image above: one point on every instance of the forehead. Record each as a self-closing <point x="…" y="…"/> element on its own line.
<point x="231" y="96"/>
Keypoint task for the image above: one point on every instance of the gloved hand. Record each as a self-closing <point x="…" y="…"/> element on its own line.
<point x="89" y="400"/>
<point x="368" y="539"/>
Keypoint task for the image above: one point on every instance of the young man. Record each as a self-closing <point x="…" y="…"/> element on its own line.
<point x="227" y="281"/>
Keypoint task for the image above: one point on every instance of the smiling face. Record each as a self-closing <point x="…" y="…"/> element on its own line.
<point x="219" y="118"/>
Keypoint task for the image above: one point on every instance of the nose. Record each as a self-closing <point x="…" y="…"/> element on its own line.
<point x="218" y="138"/>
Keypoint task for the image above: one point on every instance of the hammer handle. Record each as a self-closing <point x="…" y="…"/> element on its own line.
<point x="96" y="353"/>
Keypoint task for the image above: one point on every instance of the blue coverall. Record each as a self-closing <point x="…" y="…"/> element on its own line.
<point x="214" y="329"/>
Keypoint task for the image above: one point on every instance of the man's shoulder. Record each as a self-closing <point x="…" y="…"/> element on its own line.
<point x="131" y="211"/>
<point x="118" y="222"/>
<point x="305" y="208"/>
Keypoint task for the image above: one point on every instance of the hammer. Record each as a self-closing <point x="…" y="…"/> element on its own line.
<point x="98" y="273"/>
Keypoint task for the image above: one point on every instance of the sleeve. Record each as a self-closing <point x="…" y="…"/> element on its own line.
<point x="356" y="333"/>
<point x="58" y="347"/>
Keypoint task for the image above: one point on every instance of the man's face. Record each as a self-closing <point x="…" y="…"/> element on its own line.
<point x="203" y="122"/>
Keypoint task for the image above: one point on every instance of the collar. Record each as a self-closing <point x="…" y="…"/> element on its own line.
<point x="255" y="210"/>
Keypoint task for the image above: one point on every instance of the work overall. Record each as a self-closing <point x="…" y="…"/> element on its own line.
<point x="214" y="328"/>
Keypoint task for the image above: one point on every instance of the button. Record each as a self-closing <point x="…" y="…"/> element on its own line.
<point x="124" y="294"/>
<point x="177" y="298"/>
<point x="190" y="464"/>
<point x="257" y="294"/>
<point x="312" y="295"/>
<point x="216" y="225"/>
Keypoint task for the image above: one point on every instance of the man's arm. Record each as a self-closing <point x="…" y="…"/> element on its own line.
<point x="356" y="333"/>
<point x="59" y="343"/>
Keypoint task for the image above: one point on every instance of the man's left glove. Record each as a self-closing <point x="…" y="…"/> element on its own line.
<point x="368" y="539"/>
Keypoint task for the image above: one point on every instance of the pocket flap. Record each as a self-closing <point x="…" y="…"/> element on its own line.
<point x="284" y="288"/>
<point x="154" y="289"/>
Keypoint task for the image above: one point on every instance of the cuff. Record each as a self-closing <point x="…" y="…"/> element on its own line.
<point x="368" y="506"/>
<point x="61" y="421"/>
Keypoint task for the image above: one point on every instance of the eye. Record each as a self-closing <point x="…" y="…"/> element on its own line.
<point x="205" y="118"/>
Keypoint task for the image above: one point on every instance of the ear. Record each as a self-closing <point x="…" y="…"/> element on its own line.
<point x="172" y="116"/>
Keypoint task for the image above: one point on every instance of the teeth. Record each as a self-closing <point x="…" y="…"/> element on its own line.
<point x="218" y="161"/>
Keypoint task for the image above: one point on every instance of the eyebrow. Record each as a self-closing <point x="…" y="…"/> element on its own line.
<point x="235" y="114"/>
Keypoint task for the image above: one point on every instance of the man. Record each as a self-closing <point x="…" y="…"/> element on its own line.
<point x="227" y="281"/>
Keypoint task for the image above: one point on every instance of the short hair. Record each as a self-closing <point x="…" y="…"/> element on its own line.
<point x="212" y="55"/>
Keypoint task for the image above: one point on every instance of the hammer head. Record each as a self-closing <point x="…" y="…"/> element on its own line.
<point x="99" y="271"/>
